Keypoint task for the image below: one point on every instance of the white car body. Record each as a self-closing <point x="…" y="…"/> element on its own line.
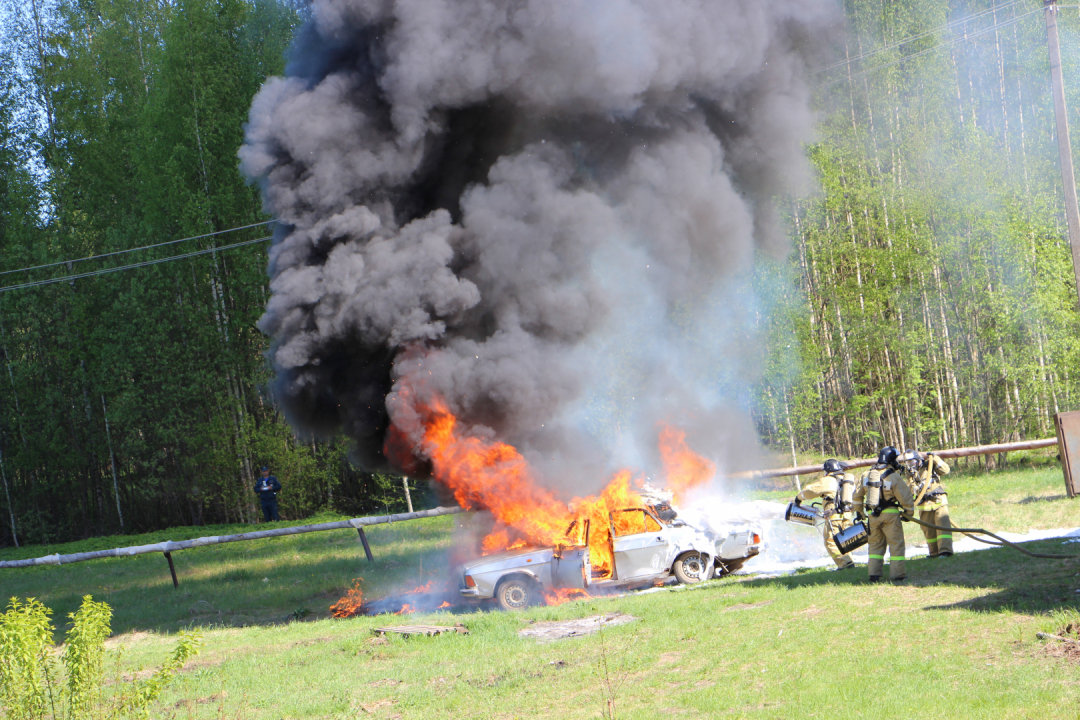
<point x="641" y="558"/>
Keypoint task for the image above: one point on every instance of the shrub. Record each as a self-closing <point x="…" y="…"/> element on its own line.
<point x="35" y="686"/>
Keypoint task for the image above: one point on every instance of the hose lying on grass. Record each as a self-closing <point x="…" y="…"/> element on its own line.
<point x="973" y="532"/>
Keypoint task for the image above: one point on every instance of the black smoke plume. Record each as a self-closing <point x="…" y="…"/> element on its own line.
<point x="541" y="211"/>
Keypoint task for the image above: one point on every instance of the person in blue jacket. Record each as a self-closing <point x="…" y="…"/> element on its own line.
<point x="267" y="487"/>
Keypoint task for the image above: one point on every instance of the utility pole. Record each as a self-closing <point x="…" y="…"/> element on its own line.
<point x="1068" y="179"/>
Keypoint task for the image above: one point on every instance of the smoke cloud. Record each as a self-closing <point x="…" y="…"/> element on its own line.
<point x="542" y="212"/>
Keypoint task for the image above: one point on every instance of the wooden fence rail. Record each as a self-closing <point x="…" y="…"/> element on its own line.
<point x="168" y="547"/>
<point x="865" y="462"/>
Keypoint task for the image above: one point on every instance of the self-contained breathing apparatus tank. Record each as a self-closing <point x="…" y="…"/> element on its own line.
<point x="873" y="489"/>
<point x="846" y="494"/>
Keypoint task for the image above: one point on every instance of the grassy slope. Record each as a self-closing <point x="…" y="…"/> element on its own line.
<point x="958" y="641"/>
<point x="237" y="584"/>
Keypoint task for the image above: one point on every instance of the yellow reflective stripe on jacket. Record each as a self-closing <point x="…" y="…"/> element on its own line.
<point x="890" y="510"/>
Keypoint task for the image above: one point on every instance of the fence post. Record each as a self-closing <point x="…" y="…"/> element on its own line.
<point x="367" y="548"/>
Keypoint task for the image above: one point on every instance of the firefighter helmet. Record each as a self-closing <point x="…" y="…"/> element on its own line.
<point x="888" y="456"/>
<point x="832" y="466"/>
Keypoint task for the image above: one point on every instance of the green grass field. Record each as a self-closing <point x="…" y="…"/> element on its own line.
<point x="957" y="641"/>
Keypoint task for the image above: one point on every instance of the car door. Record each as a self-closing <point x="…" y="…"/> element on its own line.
<point x="641" y="544"/>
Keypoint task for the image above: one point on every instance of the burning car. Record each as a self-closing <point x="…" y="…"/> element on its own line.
<point x="643" y="549"/>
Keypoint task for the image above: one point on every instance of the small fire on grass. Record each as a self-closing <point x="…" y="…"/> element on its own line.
<point x="559" y="596"/>
<point x="423" y="598"/>
<point x="350" y="605"/>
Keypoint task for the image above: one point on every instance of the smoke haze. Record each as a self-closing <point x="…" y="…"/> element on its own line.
<point x="541" y="212"/>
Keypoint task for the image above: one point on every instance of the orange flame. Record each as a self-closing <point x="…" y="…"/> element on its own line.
<point x="351" y="604"/>
<point x="559" y="596"/>
<point x="683" y="468"/>
<point x="445" y="604"/>
<point x="598" y="511"/>
<point x="486" y="474"/>
<point x="406" y="609"/>
<point x="493" y="476"/>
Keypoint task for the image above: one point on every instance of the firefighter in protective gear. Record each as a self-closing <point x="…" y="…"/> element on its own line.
<point x="828" y="488"/>
<point x="932" y="502"/>
<point x="883" y="494"/>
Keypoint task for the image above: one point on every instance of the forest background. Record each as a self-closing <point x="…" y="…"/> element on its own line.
<point x="929" y="299"/>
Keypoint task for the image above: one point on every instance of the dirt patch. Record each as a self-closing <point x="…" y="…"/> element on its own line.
<point x="810" y="611"/>
<point x="140" y="675"/>
<point x="668" y="658"/>
<point x="312" y="641"/>
<point x="127" y="639"/>
<point x="375" y="707"/>
<point x="560" y="629"/>
<point x="215" y="698"/>
<point x="202" y="663"/>
<point x="390" y="682"/>
<point x="1065" y="643"/>
<point x="748" y="606"/>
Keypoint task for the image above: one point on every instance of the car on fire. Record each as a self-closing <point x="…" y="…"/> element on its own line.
<point x="645" y="550"/>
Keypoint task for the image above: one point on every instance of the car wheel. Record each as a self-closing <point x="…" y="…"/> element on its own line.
<point x="515" y="594"/>
<point x="690" y="568"/>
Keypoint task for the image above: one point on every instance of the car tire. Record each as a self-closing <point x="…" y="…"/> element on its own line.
<point x="690" y="568"/>
<point x="516" y="594"/>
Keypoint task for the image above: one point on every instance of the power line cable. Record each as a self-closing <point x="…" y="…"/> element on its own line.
<point x="912" y="56"/>
<point x="147" y="263"/>
<point x="919" y="36"/>
<point x="144" y="247"/>
<point x="966" y="36"/>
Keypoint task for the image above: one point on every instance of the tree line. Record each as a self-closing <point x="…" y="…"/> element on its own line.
<point x="928" y="299"/>
<point x="137" y="400"/>
<point x="931" y="287"/>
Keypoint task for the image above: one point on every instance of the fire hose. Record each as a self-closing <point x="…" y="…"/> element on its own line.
<point x="812" y="515"/>
<point x="974" y="532"/>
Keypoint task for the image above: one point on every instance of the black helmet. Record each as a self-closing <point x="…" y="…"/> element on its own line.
<point x="832" y="466"/>
<point x="887" y="456"/>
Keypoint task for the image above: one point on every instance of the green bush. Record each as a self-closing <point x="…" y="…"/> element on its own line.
<point x="34" y="685"/>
